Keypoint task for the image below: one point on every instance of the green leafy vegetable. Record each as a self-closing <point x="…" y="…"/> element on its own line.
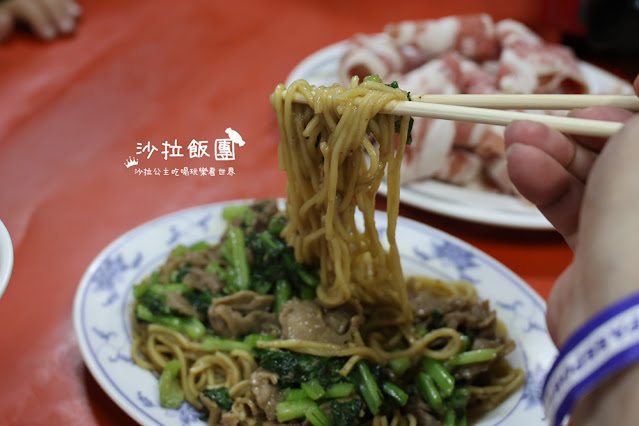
<point x="313" y="389"/>
<point x="291" y="410"/>
<point x="346" y="413"/>
<point x="429" y="392"/>
<point x="220" y="396"/>
<point x="368" y="388"/>
<point x="295" y="369"/>
<point x="171" y="395"/>
<point x="234" y="252"/>
<point x="396" y="393"/>
<point x="442" y="378"/>
<point x="472" y="357"/>
<point x="191" y="326"/>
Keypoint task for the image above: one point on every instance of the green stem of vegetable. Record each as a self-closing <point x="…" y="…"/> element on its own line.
<point x="429" y="392"/>
<point x="307" y="293"/>
<point x="399" y="365"/>
<point x="444" y="380"/>
<point x="171" y="395"/>
<point x="373" y="77"/>
<point x="276" y="224"/>
<point x="283" y="293"/>
<point x="140" y="289"/>
<point x="270" y="241"/>
<point x="179" y="250"/>
<point x="193" y="327"/>
<point x="189" y="325"/>
<point x="316" y="416"/>
<point x="313" y="389"/>
<point x="339" y="390"/>
<point x="295" y="395"/>
<point x="252" y="339"/>
<point x="214" y="268"/>
<point x="449" y="417"/>
<point x="458" y="401"/>
<point x="368" y="388"/>
<point x="237" y="259"/>
<point x="421" y="330"/>
<point x="308" y="278"/>
<point x="213" y="343"/>
<point x="465" y="342"/>
<point x="291" y="410"/>
<point x="166" y="288"/>
<point x="472" y="357"/>
<point x="229" y="213"/>
<point x="395" y="392"/>
<point x="202" y="245"/>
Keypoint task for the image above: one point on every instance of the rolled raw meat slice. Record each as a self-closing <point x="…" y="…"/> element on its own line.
<point x="476" y="79"/>
<point x="460" y="167"/>
<point x="471" y="35"/>
<point x="528" y="65"/>
<point x="437" y="76"/>
<point x="485" y="140"/>
<point x="370" y="54"/>
<point x="432" y="142"/>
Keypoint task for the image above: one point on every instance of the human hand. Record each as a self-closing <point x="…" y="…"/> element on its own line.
<point x="48" y="19"/>
<point x="588" y="188"/>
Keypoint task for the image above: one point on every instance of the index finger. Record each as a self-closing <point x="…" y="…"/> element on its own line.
<point x="604" y="113"/>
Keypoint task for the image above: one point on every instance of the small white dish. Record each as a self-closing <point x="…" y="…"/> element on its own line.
<point x="6" y="258"/>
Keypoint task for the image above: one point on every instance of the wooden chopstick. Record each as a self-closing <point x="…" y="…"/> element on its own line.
<point x="570" y="125"/>
<point x="532" y="102"/>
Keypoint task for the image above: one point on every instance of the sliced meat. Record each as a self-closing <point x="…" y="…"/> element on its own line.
<point x="215" y="412"/>
<point x="267" y="396"/>
<point x="463" y="314"/>
<point x="197" y="259"/>
<point x="243" y="313"/>
<point x="176" y="301"/>
<point x="241" y="411"/>
<point x="264" y="209"/>
<point x="366" y="55"/>
<point x="307" y="320"/>
<point x="422" y="412"/>
<point x="528" y="65"/>
<point x="461" y="167"/>
<point x="201" y="280"/>
<point x="471" y="35"/>
<point x="422" y="302"/>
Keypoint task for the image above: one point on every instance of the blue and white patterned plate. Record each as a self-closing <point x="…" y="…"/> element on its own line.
<point x="102" y="305"/>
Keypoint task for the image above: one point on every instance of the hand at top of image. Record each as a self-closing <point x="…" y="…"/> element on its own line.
<point x="47" y="19"/>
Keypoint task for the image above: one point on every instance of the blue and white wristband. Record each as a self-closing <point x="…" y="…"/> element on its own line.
<point x="606" y="344"/>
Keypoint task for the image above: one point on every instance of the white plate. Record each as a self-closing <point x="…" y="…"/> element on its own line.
<point x="320" y="69"/>
<point x="103" y="302"/>
<point x="6" y="258"/>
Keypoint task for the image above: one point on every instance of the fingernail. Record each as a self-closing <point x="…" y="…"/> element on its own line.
<point x="49" y="32"/>
<point x="67" y="25"/>
<point x="74" y="9"/>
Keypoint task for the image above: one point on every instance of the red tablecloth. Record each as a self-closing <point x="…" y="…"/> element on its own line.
<point x="73" y="111"/>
